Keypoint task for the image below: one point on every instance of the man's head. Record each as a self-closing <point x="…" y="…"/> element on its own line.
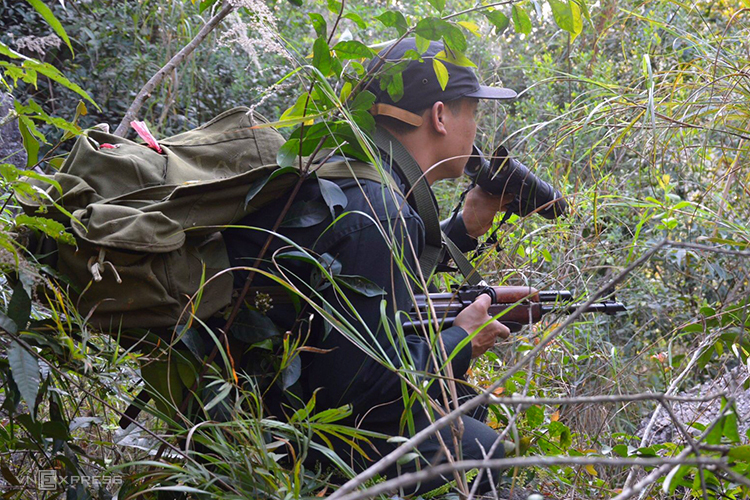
<point x="436" y="125"/>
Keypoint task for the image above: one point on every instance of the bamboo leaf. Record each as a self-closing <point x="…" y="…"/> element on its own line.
<point x="54" y="74"/>
<point x="361" y="285"/>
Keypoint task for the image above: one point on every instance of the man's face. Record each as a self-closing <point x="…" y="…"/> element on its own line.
<point x="462" y="129"/>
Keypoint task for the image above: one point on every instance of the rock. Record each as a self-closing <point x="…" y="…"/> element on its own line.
<point x="11" y="143"/>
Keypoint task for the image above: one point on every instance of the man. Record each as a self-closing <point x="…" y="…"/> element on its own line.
<point x="433" y="128"/>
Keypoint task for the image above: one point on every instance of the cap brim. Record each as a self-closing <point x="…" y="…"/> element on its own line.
<point x="485" y="92"/>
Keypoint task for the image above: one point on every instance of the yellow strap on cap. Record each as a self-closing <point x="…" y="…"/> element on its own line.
<point x="397" y="113"/>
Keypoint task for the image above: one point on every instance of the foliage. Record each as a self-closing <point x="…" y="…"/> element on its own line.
<point x="636" y="110"/>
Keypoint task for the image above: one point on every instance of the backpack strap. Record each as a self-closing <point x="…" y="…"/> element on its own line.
<point x="424" y="203"/>
<point x="352" y="169"/>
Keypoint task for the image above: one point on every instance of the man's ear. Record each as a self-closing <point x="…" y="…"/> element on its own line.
<point x="437" y="117"/>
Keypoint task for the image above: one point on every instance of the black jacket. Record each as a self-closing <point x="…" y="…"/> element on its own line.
<point x="345" y="374"/>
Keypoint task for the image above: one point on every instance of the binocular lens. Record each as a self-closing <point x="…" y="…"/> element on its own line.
<point x="504" y="174"/>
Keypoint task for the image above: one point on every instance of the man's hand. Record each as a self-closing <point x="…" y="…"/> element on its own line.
<point x="480" y="209"/>
<point x="473" y="317"/>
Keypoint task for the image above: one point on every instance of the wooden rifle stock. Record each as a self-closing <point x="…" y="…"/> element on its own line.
<point x="514" y="306"/>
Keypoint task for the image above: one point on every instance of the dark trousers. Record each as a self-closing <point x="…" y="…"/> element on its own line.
<point x="476" y="441"/>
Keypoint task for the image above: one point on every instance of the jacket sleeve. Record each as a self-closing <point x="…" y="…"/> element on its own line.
<point x="361" y="379"/>
<point x="457" y="233"/>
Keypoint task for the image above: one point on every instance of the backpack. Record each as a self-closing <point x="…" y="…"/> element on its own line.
<point x="147" y="224"/>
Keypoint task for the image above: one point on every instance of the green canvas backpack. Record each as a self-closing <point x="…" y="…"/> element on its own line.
<point x="147" y="224"/>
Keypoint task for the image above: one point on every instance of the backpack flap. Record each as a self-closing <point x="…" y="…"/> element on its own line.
<point x="126" y="228"/>
<point x="135" y="269"/>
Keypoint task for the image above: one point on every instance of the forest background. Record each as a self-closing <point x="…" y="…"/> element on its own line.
<point x="637" y="110"/>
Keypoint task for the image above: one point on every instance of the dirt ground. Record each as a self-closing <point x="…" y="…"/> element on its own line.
<point x="705" y="413"/>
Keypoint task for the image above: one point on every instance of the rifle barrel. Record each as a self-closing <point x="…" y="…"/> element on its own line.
<point x="555" y="296"/>
<point x="608" y="307"/>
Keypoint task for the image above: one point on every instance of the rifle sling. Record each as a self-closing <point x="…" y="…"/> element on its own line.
<point x="424" y="203"/>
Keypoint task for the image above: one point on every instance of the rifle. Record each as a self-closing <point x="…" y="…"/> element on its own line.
<point x="516" y="306"/>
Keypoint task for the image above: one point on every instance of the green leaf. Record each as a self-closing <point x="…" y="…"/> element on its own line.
<point x="352" y="49"/>
<point x="361" y="285"/>
<point x="287" y="153"/>
<point x="584" y="9"/>
<point x="291" y="373"/>
<point x="421" y="43"/>
<point x="730" y="430"/>
<point x="534" y="416"/>
<point x="455" y="58"/>
<point x="334" y="6"/>
<point x="319" y="24"/>
<point x="675" y="478"/>
<point x="55" y="430"/>
<point x="8" y="52"/>
<point x="365" y="121"/>
<point x="205" y="4"/>
<point x="192" y="339"/>
<point x="394" y="19"/>
<point x="322" y="55"/>
<point x="50" y="227"/>
<point x="8" y="324"/>
<point x="567" y="16"/>
<point x="221" y="394"/>
<point x="19" y="309"/>
<point x="438" y="4"/>
<point x="441" y="72"/>
<point x="305" y="214"/>
<point x="30" y="144"/>
<point x="332" y="194"/>
<point x="363" y="101"/>
<point x="252" y="327"/>
<point x="296" y="3"/>
<point x="164" y="379"/>
<point x="25" y="370"/>
<point x="740" y="453"/>
<point x="259" y="184"/>
<point x="395" y="87"/>
<point x="499" y="20"/>
<point x="48" y="16"/>
<point x="521" y="20"/>
<point x="54" y="74"/>
<point x="432" y="28"/>
<point x="357" y="19"/>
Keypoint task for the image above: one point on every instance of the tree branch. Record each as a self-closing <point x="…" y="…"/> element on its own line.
<point x="507" y="463"/>
<point x="155" y="80"/>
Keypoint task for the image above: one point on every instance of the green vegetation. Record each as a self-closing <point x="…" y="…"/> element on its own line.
<point x="637" y="110"/>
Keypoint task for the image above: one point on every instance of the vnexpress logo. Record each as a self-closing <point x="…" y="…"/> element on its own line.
<point x="47" y="480"/>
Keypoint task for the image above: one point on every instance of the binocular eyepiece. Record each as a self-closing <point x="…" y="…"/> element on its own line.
<point x="503" y="174"/>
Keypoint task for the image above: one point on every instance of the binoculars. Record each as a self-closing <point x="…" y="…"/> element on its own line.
<point x="502" y="174"/>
